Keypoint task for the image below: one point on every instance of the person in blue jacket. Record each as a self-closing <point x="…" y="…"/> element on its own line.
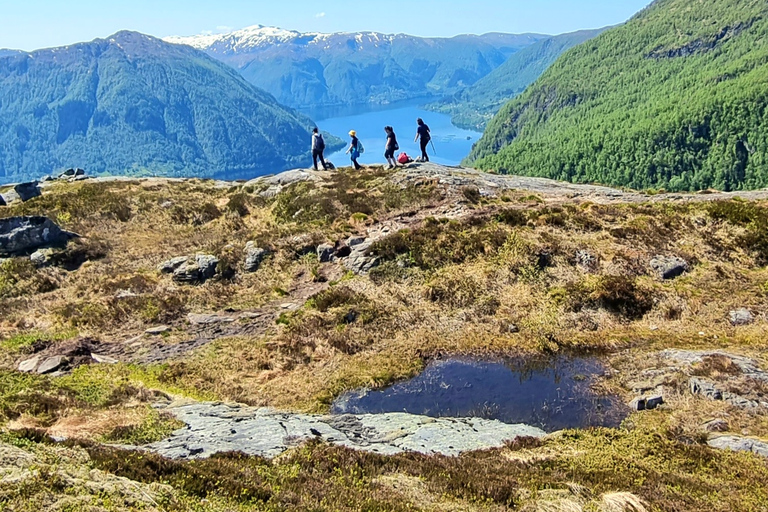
<point x="354" y="149"/>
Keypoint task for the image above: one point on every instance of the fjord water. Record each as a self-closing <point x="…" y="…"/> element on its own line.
<point x="550" y="394"/>
<point x="451" y="144"/>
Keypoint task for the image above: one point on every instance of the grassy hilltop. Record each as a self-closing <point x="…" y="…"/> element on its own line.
<point x="456" y="271"/>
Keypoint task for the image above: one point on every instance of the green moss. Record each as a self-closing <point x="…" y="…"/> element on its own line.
<point x="19" y="342"/>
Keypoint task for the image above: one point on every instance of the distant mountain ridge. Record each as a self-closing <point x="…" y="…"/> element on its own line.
<point x="314" y="69"/>
<point x="674" y="99"/>
<point x="134" y="103"/>
<point x="472" y="108"/>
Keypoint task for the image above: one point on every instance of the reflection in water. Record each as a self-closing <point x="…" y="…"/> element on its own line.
<point x="552" y="394"/>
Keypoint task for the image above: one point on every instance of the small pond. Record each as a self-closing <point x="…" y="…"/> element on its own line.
<point x="551" y="394"/>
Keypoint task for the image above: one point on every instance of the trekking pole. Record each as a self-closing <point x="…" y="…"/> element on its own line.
<point x="433" y="147"/>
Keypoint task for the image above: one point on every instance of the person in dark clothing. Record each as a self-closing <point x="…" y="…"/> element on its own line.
<point x="318" y="146"/>
<point x="391" y="147"/>
<point x="423" y="135"/>
<point x="354" y="150"/>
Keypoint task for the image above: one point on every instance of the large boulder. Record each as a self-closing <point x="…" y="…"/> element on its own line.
<point x="27" y="191"/>
<point x="20" y="235"/>
<point x="669" y="267"/>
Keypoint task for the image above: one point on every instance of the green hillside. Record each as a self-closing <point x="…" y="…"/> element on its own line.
<point x="135" y="104"/>
<point x="676" y="98"/>
<point x="475" y="106"/>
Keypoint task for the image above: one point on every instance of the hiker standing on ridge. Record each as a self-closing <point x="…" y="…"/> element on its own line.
<point x="423" y="135"/>
<point x="355" y="149"/>
<point x="391" y="147"/>
<point x="318" y="146"/>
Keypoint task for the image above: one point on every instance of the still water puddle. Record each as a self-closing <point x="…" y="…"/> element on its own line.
<point x="552" y="394"/>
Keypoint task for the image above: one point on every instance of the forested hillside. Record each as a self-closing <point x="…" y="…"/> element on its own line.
<point x="675" y="99"/>
<point x="135" y="104"/>
<point x="311" y="69"/>
<point x="472" y="108"/>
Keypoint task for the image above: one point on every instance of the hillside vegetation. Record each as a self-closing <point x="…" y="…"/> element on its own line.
<point x="674" y="99"/>
<point x="135" y="104"/>
<point x="512" y="272"/>
<point x="472" y="108"/>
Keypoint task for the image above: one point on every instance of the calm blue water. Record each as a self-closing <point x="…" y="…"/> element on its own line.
<point x="451" y="144"/>
<point x="550" y="394"/>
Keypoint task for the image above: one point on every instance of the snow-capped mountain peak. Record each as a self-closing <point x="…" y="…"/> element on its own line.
<point x="260" y="36"/>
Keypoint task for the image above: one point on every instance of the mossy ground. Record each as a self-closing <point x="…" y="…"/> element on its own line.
<point x="444" y="286"/>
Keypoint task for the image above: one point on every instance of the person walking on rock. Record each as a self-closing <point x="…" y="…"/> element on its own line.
<point x="391" y="147"/>
<point x="355" y="149"/>
<point x="423" y="135"/>
<point x="318" y="147"/>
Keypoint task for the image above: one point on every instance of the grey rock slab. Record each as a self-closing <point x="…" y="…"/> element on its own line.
<point x="197" y="319"/>
<point x="102" y="359"/>
<point x="214" y="427"/>
<point x="740" y="444"/>
<point x="29" y="365"/>
<point x="51" y="364"/>
<point x="156" y="331"/>
<point x="23" y="234"/>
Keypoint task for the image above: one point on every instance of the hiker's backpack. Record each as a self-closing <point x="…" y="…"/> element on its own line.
<point x="320" y="142"/>
<point x="329" y="165"/>
<point x="360" y="148"/>
<point x="404" y="159"/>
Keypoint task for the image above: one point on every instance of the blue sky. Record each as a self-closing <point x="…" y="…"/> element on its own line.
<point x="32" y="24"/>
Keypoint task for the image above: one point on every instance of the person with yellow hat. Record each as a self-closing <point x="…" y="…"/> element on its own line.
<point x="355" y="149"/>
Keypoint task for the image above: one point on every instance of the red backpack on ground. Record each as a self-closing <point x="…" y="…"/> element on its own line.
<point x="404" y="159"/>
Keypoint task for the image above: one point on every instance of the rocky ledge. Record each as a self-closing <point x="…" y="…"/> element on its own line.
<point x="216" y="427"/>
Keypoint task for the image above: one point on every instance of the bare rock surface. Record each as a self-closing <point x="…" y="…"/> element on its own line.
<point x="216" y="427"/>
<point x="740" y="444"/>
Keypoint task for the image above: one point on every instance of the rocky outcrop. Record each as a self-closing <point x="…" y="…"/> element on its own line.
<point x="744" y="374"/>
<point x="193" y="270"/>
<point x="214" y="428"/>
<point x="22" y="235"/>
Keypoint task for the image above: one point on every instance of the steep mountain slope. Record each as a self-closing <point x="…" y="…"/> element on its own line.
<point x="474" y="106"/>
<point x="133" y="103"/>
<point x="676" y="98"/>
<point x="313" y="69"/>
